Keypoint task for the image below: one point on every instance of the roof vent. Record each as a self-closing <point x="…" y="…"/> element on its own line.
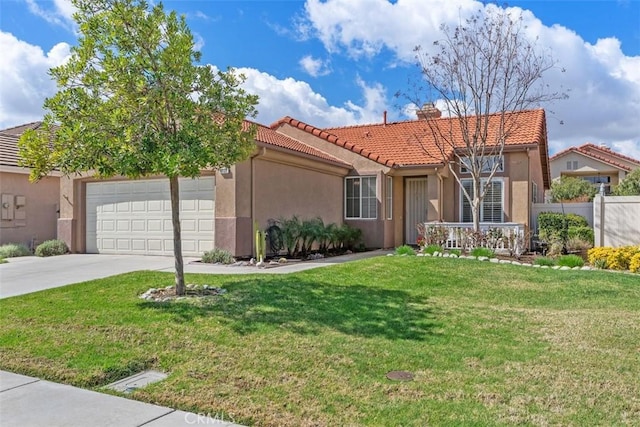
<point x="428" y="111"/>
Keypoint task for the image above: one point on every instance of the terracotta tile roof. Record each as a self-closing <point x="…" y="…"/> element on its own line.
<point x="411" y="143"/>
<point x="270" y="137"/>
<point x="600" y="153"/>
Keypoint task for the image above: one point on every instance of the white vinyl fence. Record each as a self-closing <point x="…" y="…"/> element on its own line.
<point x="583" y="209"/>
<point x="616" y="220"/>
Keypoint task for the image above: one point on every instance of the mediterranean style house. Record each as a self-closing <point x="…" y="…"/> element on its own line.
<point x="383" y="178"/>
<point x="596" y="164"/>
<point x="29" y="211"/>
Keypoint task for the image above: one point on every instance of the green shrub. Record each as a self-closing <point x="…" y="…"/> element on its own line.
<point x="584" y="233"/>
<point x="2" y="261"/>
<point x="557" y="229"/>
<point x="405" y="250"/>
<point x="630" y="185"/>
<point x="456" y="252"/>
<point x="577" y="244"/>
<point x="569" y="188"/>
<point x="543" y="260"/>
<point x="218" y="255"/>
<point x="486" y="252"/>
<point x="431" y="249"/>
<point x="570" y="261"/>
<point x="52" y="248"/>
<point x="12" y="250"/>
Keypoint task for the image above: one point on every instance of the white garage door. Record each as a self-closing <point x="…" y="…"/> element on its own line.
<point x="134" y="217"/>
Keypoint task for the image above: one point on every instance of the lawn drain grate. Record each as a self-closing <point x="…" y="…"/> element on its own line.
<point x="134" y="382"/>
<point x="400" y="375"/>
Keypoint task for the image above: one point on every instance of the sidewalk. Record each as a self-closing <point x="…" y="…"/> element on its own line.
<point x="27" y="401"/>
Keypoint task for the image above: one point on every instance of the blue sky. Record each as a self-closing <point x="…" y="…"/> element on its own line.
<point x="340" y="62"/>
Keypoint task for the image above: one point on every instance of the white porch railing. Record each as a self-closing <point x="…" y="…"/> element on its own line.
<point x="500" y="237"/>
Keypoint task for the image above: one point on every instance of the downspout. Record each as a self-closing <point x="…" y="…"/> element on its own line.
<point x="252" y="184"/>
<point x="529" y="201"/>
<point x="440" y="195"/>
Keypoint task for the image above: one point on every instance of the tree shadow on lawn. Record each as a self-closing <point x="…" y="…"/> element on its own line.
<point x="306" y="307"/>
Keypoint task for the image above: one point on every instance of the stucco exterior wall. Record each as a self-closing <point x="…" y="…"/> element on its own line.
<point x="35" y="221"/>
<point x="283" y="191"/>
<point x="234" y="228"/>
<point x="519" y="189"/>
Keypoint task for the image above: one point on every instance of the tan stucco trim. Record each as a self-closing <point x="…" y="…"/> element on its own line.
<point x="25" y="171"/>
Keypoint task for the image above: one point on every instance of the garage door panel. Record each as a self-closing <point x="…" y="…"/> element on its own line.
<point x="135" y="216"/>
<point x="138" y="225"/>
<point x="187" y="225"/>
<point x="205" y="225"/>
<point x="138" y="245"/>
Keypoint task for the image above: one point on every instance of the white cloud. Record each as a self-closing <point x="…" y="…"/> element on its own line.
<point x="290" y="97"/>
<point x="315" y="67"/>
<point x="61" y="14"/>
<point x="24" y="82"/>
<point x="603" y="83"/>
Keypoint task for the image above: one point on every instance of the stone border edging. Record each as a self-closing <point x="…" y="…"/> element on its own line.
<point x="506" y="261"/>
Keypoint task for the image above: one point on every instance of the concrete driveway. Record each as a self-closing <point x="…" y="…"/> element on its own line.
<point x="30" y="274"/>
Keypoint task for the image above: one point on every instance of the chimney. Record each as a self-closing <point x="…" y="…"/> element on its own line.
<point x="384" y="117"/>
<point x="428" y="111"/>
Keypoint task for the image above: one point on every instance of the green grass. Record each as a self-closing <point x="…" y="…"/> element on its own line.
<point x="543" y="260"/>
<point x="488" y="344"/>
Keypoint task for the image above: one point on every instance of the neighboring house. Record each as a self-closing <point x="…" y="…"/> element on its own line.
<point x="374" y="177"/>
<point x="594" y="163"/>
<point x="29" y="210"/>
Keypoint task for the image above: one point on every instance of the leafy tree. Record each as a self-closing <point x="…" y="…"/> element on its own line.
<point x="630" y="185"/>
<point x="481" y="71"/>
<point x="569" y="188"/>
<point x="132" y="101"/>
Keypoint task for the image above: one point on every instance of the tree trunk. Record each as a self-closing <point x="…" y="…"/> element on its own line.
<point x="475" y="204"/>
<point x="174" y="189"/>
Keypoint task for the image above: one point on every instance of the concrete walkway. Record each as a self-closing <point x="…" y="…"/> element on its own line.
<point x="27" y="401"/>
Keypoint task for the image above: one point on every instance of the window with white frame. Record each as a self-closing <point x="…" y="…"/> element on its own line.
<point x="360" y="197"/>
<point x="488" y="162"/>
<point x="572" y="165"/>
<point x="389" y="198"/>
<point x="534" y="192"/>
<point x="491" y="208"/>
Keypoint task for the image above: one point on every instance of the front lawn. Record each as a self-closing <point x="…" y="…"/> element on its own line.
<point x="488" y="344"/>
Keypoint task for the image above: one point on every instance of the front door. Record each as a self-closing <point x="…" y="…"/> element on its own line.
<point x="415" y="199"/>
